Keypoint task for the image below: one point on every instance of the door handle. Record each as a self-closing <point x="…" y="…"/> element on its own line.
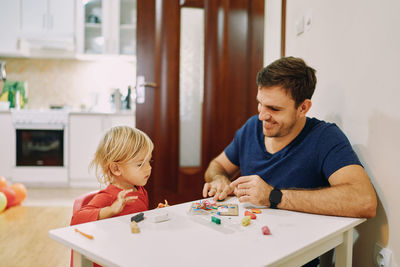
<point x="141" y="85"/>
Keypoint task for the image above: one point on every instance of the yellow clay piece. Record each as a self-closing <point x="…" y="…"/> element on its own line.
<point x="246" y="220"/>
<point x="135" y="227"/>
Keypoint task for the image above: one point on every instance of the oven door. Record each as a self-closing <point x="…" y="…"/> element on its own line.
<point x="41" y="154"/>
<point x="40" y="147"/>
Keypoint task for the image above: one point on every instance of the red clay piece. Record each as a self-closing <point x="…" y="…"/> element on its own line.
<point x="250" y="214"/>
<point x="265" y="230"/>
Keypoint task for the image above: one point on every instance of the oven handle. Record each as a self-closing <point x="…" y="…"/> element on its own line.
<point x="39" y="126"/>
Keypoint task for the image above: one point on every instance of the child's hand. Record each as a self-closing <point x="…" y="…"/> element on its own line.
<point x="117" y="206"/>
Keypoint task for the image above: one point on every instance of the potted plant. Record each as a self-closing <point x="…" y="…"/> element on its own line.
<point x="13" y="90"/>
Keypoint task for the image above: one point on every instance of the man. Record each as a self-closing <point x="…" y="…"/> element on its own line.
<point x="287" y="160"/>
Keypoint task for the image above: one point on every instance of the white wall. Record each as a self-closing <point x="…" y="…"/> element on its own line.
<point x="355" y="48"/>
<point x="272" y="31"/>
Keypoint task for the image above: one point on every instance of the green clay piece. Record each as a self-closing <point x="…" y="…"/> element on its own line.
<point x="215" y="220"/>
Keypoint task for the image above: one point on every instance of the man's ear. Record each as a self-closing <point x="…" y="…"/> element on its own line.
<point x="114" y="168"/>
<point x="304" y="107"/>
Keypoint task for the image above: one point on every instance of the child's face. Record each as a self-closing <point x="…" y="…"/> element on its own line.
<point x="136" y="171"/>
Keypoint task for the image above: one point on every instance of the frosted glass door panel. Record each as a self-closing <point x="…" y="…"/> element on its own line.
<point x="127" y="37"/>
<point x="191" y="85"/>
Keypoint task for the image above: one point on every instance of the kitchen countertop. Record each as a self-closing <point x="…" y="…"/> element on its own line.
<point x="121" y="112"/>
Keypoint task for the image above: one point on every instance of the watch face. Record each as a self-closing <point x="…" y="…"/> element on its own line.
<point x="275" y="196"/>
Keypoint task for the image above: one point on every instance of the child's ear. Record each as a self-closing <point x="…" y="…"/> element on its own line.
<point x="114" y="168"/>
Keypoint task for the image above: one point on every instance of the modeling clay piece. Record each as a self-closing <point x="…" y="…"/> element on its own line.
<point x="138" y="217"/>
<point x="250" y="214"/>
<point x="246" y="220"/>
<point x="163" y="205"/>
<point x="134" y="227"/>
<point x="161" y="218"/>
<point x="205" y="205"/>
<point x="215" y="220"/>
<point x="258" y="211"/>
<point x="84" y="234"/>
<point x="265" y="230"/>
<point x="214" y="208"/>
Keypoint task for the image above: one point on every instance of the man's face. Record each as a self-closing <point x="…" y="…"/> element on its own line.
<point x="276" y="110"/>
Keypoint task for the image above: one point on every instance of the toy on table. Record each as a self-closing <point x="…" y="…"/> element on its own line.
<point x="84" y="234"/>
<point x="163" y="205"/>
<point x="161" y="218"/>
<point x="258" y="211"/>
<point x="214" y="208"/>
<point x="138" y="217"/>
<point x="246" y="220"/>
<point x="215" y="220"/>
<point x="250" y="214"/>
<point x="265" y="230"/>
<point x="135" y="227"/>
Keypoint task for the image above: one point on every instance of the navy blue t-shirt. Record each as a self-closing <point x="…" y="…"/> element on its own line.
<point x="308" y="161"/>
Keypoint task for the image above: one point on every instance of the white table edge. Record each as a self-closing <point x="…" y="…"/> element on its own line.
<point x="343" y="237"/>
<point x="79" y="252"/>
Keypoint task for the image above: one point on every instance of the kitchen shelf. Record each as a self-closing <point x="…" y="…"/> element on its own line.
<point x="93" y="26"/>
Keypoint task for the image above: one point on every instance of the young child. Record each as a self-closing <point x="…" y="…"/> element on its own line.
<point x="122" y="161"/>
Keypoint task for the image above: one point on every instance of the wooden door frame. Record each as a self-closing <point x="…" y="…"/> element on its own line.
<point x="283" y="29"/>
<point x="230" y="72"/>
<point x="158" y="61"/>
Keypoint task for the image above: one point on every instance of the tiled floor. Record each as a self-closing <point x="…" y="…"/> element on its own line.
<point x="63" y="197"/>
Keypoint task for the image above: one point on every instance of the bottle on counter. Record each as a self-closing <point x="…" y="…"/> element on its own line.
<point x="127" y="100"/>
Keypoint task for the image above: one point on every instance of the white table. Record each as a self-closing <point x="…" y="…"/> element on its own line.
<point x="193" y="240"/>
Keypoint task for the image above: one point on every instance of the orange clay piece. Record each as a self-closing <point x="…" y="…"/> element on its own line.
<point x="258" y="211"/>
<point x="163" y="205"/>
<point x="250" y="214"/>
<point x="84" y="234"/>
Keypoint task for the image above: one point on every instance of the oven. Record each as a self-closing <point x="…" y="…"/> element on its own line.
<point x="41" y="147"/>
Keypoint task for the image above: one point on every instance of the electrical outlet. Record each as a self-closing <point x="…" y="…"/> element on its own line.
<point x="382" y="256"/>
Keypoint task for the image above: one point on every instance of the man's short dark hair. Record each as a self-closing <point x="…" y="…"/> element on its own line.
<point x="292" y="74"/>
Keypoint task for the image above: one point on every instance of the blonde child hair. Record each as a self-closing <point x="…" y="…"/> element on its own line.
<point x="120" y="145"/>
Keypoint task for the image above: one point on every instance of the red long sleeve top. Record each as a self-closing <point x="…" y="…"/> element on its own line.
<point x="106" y="197"/>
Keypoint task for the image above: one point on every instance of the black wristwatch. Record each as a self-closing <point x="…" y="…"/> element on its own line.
<point x="275" y="198"/>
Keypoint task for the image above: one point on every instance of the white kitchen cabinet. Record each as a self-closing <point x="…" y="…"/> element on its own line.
<point x="10" y="26"/>
<point x="7" y="135"/>
<point x="86" y="131"/>
<point x="47" y="18"/>
<point x="106" y="27"/>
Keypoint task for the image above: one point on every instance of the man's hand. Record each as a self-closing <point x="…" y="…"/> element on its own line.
<point x="219" y="188"/>
<point x="252" y="189"/>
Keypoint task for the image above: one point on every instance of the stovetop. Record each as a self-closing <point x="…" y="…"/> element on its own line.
<point x="35" y="116"/>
